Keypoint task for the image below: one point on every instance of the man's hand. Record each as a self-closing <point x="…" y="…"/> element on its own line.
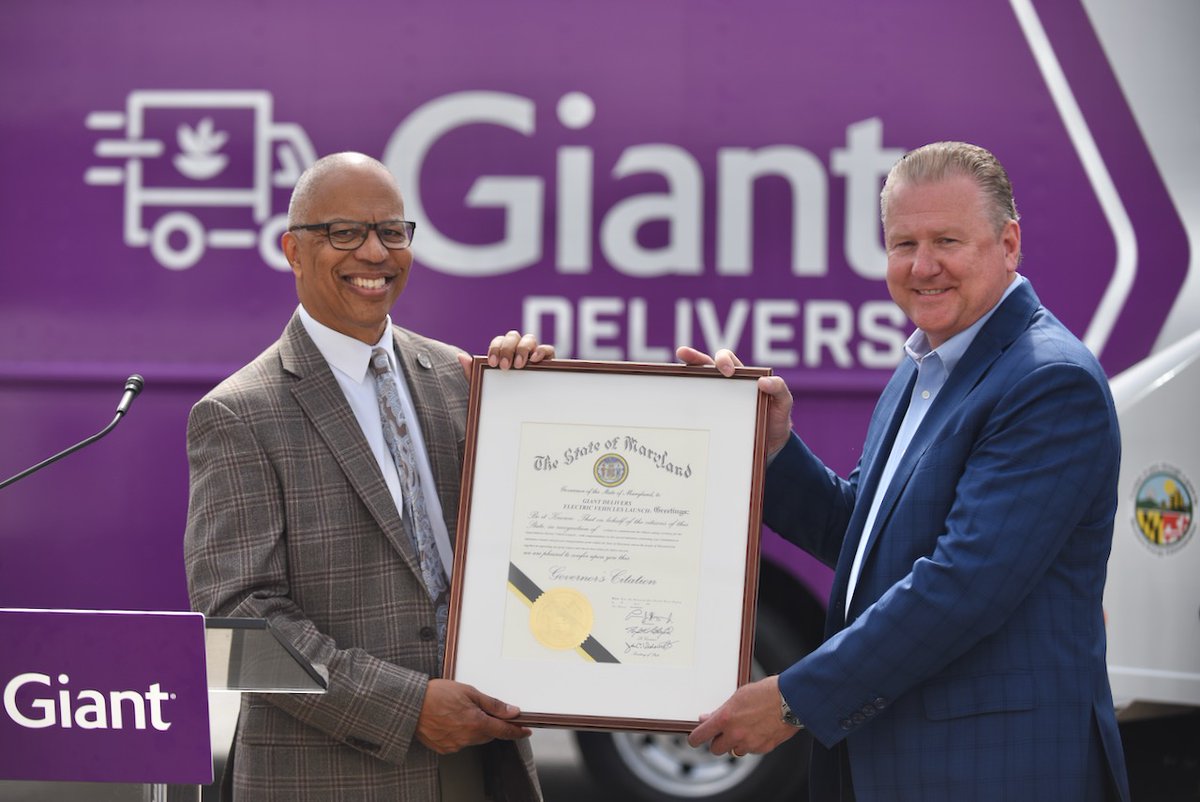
<point x="517" y="350"/>
<point x="455" y="716"/>
<point x="512" y="350"/>
<point x="749" y="721"/>
<point x="779" y="412"/>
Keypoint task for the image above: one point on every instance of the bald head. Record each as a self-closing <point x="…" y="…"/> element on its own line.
<point x="308" y="186"/>
<point x="348" y="289"/>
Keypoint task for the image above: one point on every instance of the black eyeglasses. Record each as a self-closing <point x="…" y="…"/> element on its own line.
<point x="348" y="235"/>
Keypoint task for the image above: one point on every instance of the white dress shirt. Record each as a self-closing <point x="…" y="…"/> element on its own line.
<point x="350" y="360"/>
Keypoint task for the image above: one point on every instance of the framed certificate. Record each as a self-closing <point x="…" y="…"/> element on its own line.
<point x="606" y="563"/>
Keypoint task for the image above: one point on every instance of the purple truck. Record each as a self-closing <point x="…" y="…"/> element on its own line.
<point x="620" y="179"/>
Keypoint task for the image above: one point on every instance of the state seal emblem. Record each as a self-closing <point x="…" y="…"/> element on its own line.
<point x="610" y="470"/>
<point x="1163" y="508"/>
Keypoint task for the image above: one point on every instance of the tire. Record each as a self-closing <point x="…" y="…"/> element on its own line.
<point x="661" y="767"/>
<point x="192" y="231"/>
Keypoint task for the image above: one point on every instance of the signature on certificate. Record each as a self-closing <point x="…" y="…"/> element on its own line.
<point x="648" y="632"/>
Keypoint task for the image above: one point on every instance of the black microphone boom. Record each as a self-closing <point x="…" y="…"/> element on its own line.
<point x="133" y="386"/>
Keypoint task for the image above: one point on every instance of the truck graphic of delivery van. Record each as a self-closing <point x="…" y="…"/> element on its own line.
<point x="193" y="164"/>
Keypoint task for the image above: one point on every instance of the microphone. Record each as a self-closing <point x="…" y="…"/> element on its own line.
<point x="133" y="386"/>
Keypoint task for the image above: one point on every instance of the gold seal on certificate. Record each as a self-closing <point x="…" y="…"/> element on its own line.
<point x="561" y="618"/>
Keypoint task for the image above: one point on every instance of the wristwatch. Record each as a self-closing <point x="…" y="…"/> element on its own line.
<point x="786" y="714"/>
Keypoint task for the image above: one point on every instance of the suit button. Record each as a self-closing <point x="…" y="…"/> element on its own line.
<point x="427" y="633"/>
<point x="868" y="710"/>
<point x="858" y="718"/>
<point x="846" y="724"/>
<point x="880" y="704"/>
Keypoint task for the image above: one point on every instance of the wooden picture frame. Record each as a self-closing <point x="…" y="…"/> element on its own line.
<point x="606" y="559"/>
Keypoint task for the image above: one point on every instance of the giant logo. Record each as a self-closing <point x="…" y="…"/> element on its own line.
<point x="86" y="708"/>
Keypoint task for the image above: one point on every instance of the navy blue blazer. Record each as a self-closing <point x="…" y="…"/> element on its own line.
<point x="972" y="662"/>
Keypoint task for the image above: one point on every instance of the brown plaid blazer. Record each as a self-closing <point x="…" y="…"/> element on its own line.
<point x="289" y="519"/>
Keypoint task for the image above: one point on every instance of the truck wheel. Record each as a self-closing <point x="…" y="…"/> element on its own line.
<point x="661" y="767"/>
<point x="187" y="227"/>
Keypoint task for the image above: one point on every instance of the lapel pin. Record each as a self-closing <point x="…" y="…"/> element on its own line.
<point x="424" y="361"/>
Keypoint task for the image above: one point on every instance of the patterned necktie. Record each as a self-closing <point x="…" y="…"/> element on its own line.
<point x="415" y="517"/>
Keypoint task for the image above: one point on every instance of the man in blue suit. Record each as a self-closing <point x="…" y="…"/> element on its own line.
<point x="965" y="651"/>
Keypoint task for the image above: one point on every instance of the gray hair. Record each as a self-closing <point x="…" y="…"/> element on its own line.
<point x="940" y="160"/>
<point x="308" y="182"/>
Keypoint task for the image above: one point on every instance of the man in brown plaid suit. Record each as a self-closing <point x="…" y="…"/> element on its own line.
<point x="293" y="517"/>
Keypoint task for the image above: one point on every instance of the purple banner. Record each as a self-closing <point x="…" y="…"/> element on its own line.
<point x="104" y="697"/>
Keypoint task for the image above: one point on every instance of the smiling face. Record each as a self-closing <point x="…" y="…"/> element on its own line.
<point x="947" y="265"/>
<point x="349" y="291"/>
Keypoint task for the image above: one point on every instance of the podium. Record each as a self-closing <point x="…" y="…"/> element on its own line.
<point x="110" y="705"/>
<point x="246" y="654"/>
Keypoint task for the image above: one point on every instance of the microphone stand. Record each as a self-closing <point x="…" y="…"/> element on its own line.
<point x="133" y="386"/>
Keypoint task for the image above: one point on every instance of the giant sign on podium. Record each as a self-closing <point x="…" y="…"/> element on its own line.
<point x="104" y="697"/>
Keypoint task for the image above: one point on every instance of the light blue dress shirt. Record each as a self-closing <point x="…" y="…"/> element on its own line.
<point x="934" y="366"/>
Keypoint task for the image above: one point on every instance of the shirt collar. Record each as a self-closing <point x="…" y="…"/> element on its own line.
<point x="951" y="351"/>
<point x="352" y="357"/>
